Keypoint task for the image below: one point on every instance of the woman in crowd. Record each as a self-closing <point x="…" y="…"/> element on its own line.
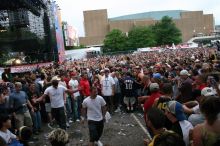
<point x="208" y="133"/>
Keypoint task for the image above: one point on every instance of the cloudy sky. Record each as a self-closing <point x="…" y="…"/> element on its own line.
<point x="72" y="10"/>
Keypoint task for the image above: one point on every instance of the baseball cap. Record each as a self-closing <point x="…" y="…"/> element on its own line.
<point x="137" y="67"/>
<point x="55" y="78"/>
<point x="207" y="91"/>
<point x="106" y="69"/>
<point x="154" y="86"/>
<point x="176" y="108"/>
<point x="157" y="75"/>
<point x="184" y="73"/>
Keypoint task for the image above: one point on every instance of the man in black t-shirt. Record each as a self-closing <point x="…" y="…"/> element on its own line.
<point x="129" y="91"/>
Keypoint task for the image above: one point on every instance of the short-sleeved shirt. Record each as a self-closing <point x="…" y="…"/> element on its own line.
<point x="74" y="84"/>
<point x="56" y="96"/>
<point x="182" y="128"/>
<point x="129" y="87"/>
<point x="186" y="126"/>
<point x="18" y="101"/>
<point x="7" y="136"/>
<point x="47" y="98"/>
<point x="94" y="107"/>
<point x="107" y="83"/>
<point x="84" y="83"/>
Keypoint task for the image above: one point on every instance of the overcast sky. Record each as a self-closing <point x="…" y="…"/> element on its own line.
<point x="72" y="10"/>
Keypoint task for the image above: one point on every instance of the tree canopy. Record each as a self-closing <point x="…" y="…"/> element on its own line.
<point x="164" y="32"/>
<point x="140" y="37"/>
<point x="115" y="41"/>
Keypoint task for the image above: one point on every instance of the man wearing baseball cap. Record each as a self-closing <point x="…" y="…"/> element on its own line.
<point x="108" y="89"/>
<point x="185" y="87"/>
<point x="155" y="93"/>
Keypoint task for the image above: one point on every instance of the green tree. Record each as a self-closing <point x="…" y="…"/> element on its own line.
<point x="166" y="32"/>
<point x="140" y="37"/>
<point x="114" y="41"/>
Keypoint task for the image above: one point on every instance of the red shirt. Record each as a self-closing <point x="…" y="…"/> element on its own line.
<point x="202" y="86"/>
<point x="67" y="82"/>
<point x="150" y="101"/>
<point x="84" y="84"/>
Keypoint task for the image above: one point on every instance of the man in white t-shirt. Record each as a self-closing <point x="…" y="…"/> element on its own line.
<point x="74" y="85"/>
<point x="95" y="107"/>
<point x="57" y="96"/>
<point x="108" y="89"/>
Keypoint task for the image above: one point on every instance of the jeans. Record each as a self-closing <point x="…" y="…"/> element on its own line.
<point x="37" y="120"/>
<point x="109" y="103"/>
<point x="68" y="107"/>
<point x="117" y="100"/>
<point x="95" y="130"/>
<point x="76" y="107"/>
<point x="60" y="117"/>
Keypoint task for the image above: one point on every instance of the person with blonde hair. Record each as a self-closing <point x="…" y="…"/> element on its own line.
<point x="58" y="137"/>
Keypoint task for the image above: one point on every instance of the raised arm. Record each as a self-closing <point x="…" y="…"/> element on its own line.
<point x="41" y="98"/>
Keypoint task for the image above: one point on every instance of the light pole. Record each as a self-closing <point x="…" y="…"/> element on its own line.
<point x="194" y="31"/>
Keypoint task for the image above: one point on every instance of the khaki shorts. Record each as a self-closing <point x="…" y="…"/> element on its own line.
<point x="23" y="120"/>
<point x="130" y="100"/>
<point x="48" y="107"/>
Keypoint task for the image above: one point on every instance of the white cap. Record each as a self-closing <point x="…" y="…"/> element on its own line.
<point x="197" y="60"/>
<point x="184" y="73"/>
<point x="207" y="91"/>
<point x="193" y="57"/>
<point x="154" y="86"/>
<point x="55" y="78"/>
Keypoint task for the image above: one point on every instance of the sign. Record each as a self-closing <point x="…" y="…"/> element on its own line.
<point x="28" y="68"/>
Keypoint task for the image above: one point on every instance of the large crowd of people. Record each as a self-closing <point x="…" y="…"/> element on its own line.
<point x="177" y="90"/>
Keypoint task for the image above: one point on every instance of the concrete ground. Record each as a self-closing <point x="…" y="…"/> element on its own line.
<point x="123" y="129"/>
